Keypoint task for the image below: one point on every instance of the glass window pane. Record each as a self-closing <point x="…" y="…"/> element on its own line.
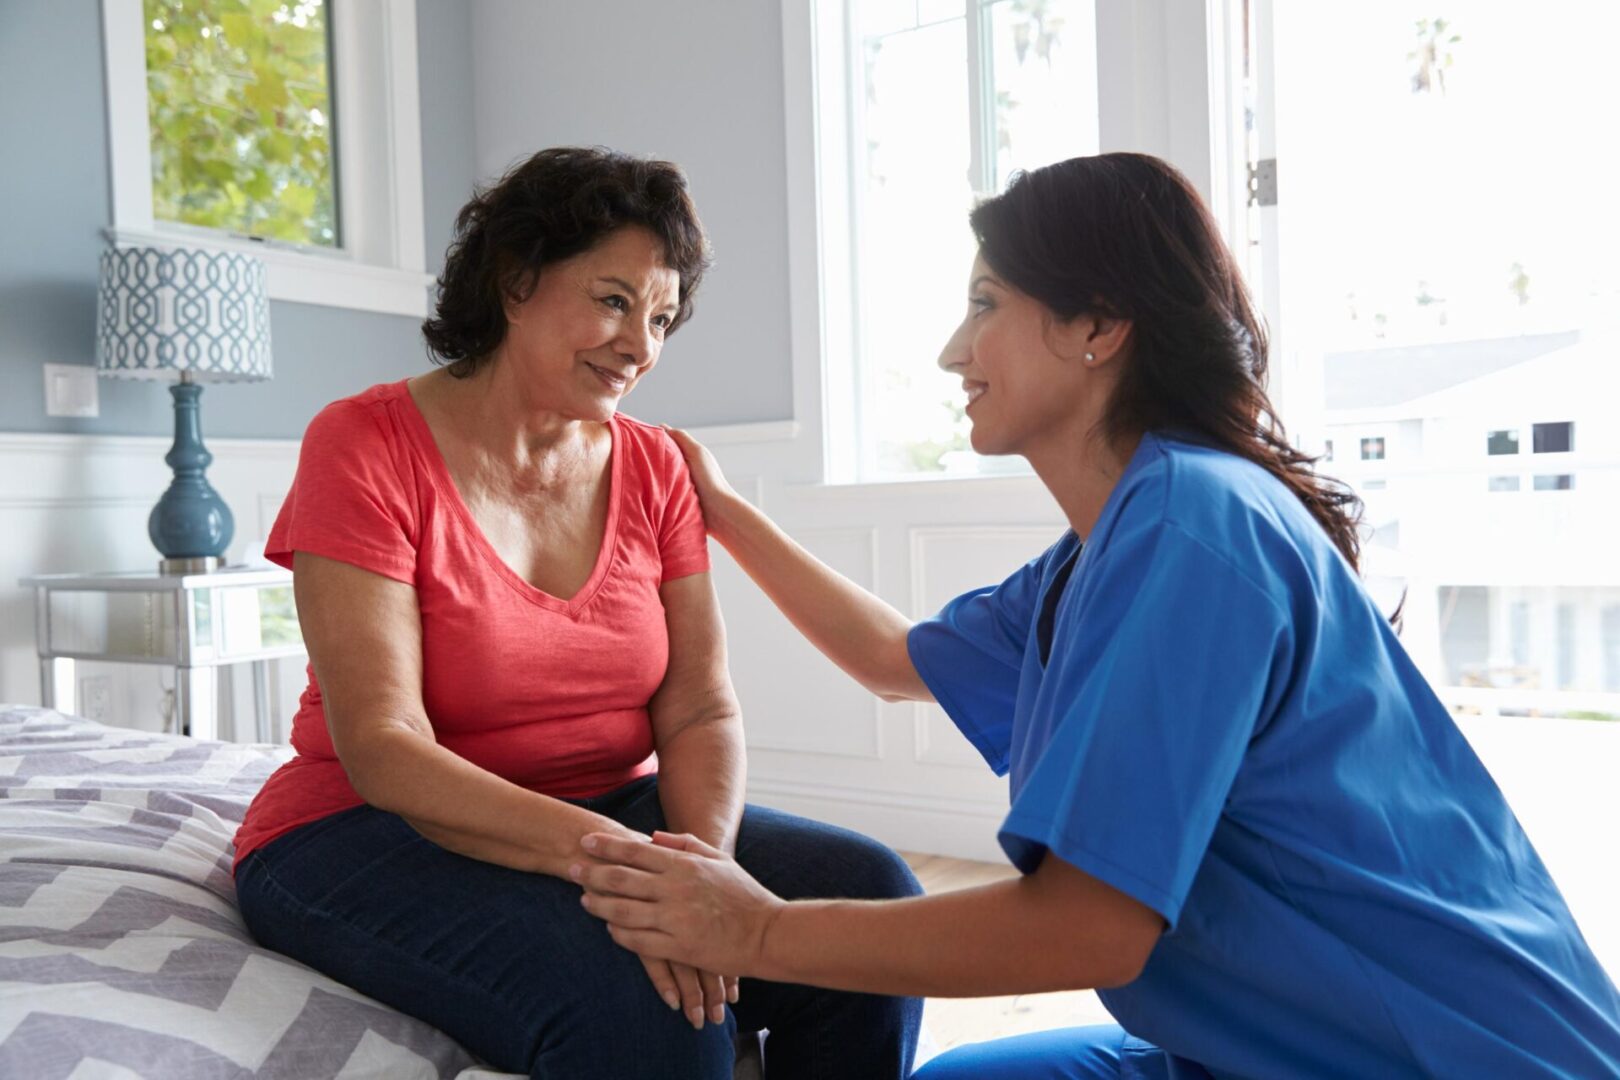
<point x="1372" y="449"/>
<point x="1567" y="646"/>
<point x="912" y="149"/>
<point x="1045" y="91"/>
<point x="1502" y="442"/>
<point x="1611" y="648"/>
<point x="1553" y="438"/>
<point x="914" y="246"/>
<point x="1458" y="300"/>
<point x="240" y="111"/>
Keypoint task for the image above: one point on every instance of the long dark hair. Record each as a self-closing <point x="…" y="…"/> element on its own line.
<point x="1126" y="236"/>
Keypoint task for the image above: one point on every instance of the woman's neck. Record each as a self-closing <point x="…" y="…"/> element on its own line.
<point x="496" y="413"/>
<point x="1080" y="468"/>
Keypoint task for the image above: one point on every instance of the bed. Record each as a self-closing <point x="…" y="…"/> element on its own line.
<point x="121" y="950"/>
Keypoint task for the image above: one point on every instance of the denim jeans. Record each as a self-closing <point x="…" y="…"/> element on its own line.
<point x="510" y="964"/>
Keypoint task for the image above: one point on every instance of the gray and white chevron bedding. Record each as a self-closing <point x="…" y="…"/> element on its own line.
<point x="121" y="951"/>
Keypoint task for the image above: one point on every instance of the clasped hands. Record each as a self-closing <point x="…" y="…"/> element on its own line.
<point x="677" y="901"/>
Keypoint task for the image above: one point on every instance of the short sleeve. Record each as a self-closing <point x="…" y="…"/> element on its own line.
<point x="1150" y="736"/>
<point x="683" y="540"/>
<point x="971" y="654"/>
<point x="350" y="498"/>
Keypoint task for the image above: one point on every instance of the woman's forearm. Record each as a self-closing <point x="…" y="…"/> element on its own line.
<point x="856" y="630"/>
<point x="465" y="808"/>
<point x="701" y="777"/>
<point x="996" y="939"/>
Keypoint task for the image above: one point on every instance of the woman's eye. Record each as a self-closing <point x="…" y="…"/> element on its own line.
<point x="617" y="303"/>
<point x="662" y="322"/>
<point x="979" y="304"/>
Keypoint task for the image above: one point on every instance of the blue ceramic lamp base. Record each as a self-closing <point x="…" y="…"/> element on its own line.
<point x="190" y="526"/>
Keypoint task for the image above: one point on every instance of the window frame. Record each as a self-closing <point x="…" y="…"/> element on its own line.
<point x="381" y="265"/>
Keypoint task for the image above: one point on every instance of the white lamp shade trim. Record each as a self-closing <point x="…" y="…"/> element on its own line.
<point x="163" y="312"/>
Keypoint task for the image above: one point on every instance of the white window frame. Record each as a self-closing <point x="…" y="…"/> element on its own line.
<point x="1158" y="92"/>
<point x="381" y="264"/>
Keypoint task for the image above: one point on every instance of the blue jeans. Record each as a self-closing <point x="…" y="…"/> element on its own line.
<point x="511" y="966"/>
<point x="1100" y="1052"/>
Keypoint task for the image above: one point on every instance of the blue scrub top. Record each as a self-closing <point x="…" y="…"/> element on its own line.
<point x="1227" y="730"/>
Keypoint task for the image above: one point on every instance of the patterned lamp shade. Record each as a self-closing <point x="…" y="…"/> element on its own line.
<point x="161" y="313"/>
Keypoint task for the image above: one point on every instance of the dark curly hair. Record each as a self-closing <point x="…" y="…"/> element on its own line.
<point x="557" y="204"/>
<point x="1127" y="236"/>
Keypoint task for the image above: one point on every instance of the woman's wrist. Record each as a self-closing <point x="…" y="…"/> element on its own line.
<point x="726" y="515"/>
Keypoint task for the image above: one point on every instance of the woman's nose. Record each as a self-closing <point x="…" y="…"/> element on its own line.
<point x="955" y="352"/>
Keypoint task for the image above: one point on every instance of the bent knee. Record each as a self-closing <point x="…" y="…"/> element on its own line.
<point x="869" y="870"/>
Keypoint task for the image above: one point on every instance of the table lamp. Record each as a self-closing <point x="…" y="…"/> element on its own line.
<point x="188" y="316"/>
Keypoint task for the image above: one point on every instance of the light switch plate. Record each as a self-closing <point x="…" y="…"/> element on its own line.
<point x="71" y="390"/>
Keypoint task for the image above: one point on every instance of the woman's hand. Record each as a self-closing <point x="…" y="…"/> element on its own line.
<point x="694" y="906"/>
<point x="713" y="490"/>
<point x="701" y="995"/>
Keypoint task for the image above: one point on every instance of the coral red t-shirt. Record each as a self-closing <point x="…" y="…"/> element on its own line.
<point x="548" y="693"/>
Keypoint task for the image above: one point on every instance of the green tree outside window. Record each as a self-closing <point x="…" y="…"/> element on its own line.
<point x="240" y="110"/>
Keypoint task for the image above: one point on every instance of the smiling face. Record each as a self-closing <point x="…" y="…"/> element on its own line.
<point x="1024" y="372"/>
<point x="594" y="325"/>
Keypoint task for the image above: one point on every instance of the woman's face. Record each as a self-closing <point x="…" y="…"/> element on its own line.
<point x="594" y="325"/>
<point x="1023" y="371"/>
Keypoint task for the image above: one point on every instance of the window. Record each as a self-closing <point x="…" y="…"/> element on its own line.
<point x="1372" y="449"/>
<point x="1327" y="450"/>
<point x="1553" y="438"/>
<point x="1611" y="648"/>
<point x="224" y="133"/>
<point x="1567" y="645"/>
<point x="1406" y="316"/>
<point x="946" y="99"/>
<point x="240" y="112"/>
<point x="1502" y="442"/>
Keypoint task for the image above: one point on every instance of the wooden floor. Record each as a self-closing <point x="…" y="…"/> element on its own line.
<point x="950" y="1022"/>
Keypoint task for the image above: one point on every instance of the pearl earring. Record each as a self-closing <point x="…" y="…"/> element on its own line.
<point x="1090" y="357"/>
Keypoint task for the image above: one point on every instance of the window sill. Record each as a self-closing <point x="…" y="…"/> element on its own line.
<point x="303" y="278"/>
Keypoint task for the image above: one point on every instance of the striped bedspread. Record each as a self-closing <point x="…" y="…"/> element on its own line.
<point x="121" y="950"/>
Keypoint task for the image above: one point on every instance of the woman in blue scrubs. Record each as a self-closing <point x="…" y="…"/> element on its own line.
<point x="1240" y="812"/>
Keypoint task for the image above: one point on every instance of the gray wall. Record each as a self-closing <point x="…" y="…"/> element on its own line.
<point x="55" y="198"/>
<point x="700" y="83"/>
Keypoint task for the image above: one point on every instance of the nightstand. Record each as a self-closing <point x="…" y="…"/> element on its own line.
<point x="193" y="623"/>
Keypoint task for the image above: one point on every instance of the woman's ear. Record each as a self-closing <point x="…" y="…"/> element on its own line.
<point x="1093" y="340"/>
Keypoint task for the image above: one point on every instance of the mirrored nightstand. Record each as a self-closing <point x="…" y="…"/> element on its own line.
<point x="194" y="623"/>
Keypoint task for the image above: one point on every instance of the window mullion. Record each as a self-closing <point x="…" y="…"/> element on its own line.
<point x="981" y="98"/>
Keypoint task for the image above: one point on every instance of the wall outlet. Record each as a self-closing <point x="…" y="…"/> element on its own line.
<point x="95" y="697"/>
<point x="71" y="390"/>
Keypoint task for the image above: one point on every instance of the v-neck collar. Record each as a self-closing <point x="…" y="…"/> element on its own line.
<point x="439" y="471"/>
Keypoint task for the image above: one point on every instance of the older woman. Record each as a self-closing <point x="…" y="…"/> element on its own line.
<point x="514" y="643"/>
